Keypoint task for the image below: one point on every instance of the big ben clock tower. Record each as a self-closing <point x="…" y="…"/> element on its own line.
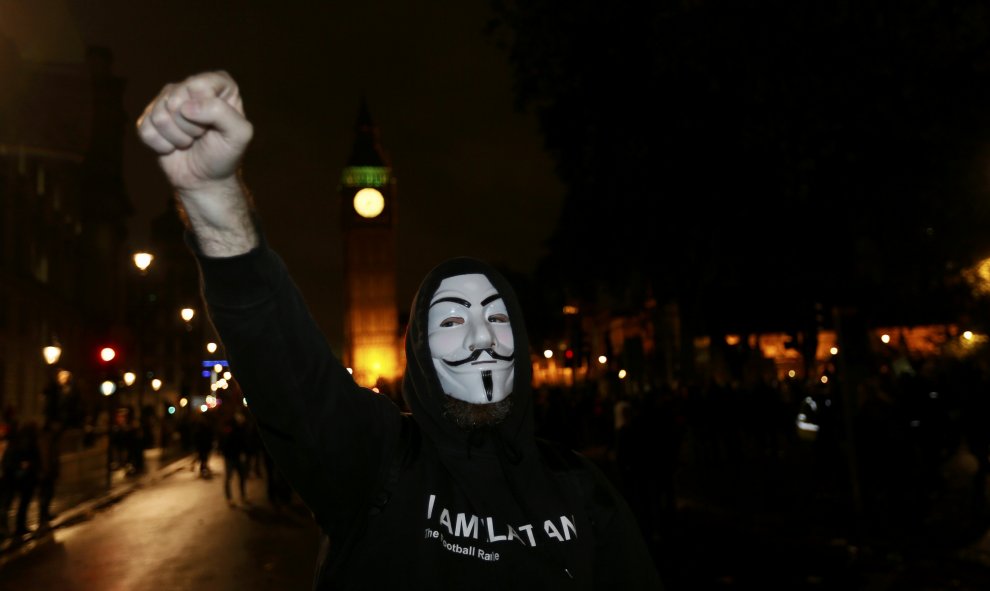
<point x="369" y="217"/>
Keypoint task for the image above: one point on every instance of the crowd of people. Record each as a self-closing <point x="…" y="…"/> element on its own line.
<point x="30" y="451"/>
<point x="911" y="455"/>
<point x="233" y="435"/>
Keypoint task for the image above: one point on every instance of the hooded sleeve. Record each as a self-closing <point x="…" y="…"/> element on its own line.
<point x="332" y="439"/>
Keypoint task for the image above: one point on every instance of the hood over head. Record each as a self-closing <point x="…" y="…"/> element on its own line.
<point x="422" y="389"/>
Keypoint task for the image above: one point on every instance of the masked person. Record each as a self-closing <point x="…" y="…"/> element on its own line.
<point x="456" y="494"/>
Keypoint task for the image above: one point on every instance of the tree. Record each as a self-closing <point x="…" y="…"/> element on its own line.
<point x="751" y="159"/>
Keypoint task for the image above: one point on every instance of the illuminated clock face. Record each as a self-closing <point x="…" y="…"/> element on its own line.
<point x="368" y="202"/>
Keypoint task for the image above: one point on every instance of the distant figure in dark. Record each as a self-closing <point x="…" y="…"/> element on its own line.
<point x="135" y="447"/>
<point x="49" y="468"/>
<point x="119" y="434"/>
<point x="232" y="444"/>
<point x="278" y="488"/>
<point x="23" y="459"/>
<point x="974" y="421"/>
<point x="202" y="433"/>
<point x="8" y="427"/>
<point x="253" y="462"/>
<point x="665" y="422"/>
<point x="633" y="460"/>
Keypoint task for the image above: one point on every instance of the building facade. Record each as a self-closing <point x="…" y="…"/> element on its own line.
<point x="63" y="210"/>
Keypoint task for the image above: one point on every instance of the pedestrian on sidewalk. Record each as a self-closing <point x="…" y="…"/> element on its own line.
<point x="49" y="468"/>
<point x="8" y="425"/>
<point x="23" y="459"/>
<point x="278" y="488"/>
<point x="253" y="448"/>
<point x="232" y="446"/>
<point x="203" y="441"/>
<point x="135" y="446"/>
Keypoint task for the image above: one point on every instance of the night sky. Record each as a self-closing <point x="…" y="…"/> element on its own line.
<point x="473" y="176"/>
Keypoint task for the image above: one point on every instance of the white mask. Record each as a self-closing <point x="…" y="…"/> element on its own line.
<point x="471" y="339"/>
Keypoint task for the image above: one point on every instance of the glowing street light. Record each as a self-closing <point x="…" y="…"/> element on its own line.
<point x="187" y="314"/>
<point x="602" y="359"/>
<point x="548" y="353"/>
<point x="107" y="354"/>
<point x="108" y="387"/>
<point x="211" y="347"/>
<point x="129" y="378"/>
<point x="51" y="353"/>
<point x="142" y="260"/>
<point x="156" y="384"/>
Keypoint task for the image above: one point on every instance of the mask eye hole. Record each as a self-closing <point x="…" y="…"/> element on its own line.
<point x="498" y="319"/>
<point x="451" y="321"/>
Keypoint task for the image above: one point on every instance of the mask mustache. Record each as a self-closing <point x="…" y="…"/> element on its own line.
<point x="476" y="354"/>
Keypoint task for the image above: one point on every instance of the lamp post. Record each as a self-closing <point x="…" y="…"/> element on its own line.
<point x="107" y="388"/>
<point x="142" y="261"/>
<point x="187" y="386"/>
<point x="52" y="353"/>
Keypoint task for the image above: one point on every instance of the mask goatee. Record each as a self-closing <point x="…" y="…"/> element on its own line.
<point x="486" y="379"/>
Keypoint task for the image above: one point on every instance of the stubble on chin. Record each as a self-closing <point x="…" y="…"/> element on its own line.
<point x="471" y="416"/>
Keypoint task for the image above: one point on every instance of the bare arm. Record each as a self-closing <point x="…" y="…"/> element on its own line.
<point x="200" y="133"/>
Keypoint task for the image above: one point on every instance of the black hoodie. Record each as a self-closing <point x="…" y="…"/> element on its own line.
<point x="412" y="501"/>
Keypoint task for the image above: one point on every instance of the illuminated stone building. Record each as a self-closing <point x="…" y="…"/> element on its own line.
<point x="369" y="218"/>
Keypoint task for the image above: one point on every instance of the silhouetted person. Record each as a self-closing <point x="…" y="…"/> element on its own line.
<point x="253" y="462"/>
<point x="49" y="469"/>
<point x="135" y="446"/>
<point x="203" y="438"/>
<point x="232" y="442"/>
<point x="277" y="487"/>
<point x="8" y="428"/>
<point x="24" y="461"/>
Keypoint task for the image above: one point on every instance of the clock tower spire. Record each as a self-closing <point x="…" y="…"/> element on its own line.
<point x="372" y="343"/>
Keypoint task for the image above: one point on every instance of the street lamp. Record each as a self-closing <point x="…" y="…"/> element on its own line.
<point x="52" y="391"/>
<point x="143" y="260"/>
<point x="156" y="384"/>
<point x="51" y="353"/>
<point x="187" y="314"/>
<point x="211" y="347"/>
<point x="129" y="378"/>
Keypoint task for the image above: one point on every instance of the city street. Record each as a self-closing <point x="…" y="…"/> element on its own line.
<point x="177" y="534"/>
<point x="734" y="529"/>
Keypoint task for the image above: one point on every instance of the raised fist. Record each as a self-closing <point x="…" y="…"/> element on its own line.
<point x="199" y="131"/>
